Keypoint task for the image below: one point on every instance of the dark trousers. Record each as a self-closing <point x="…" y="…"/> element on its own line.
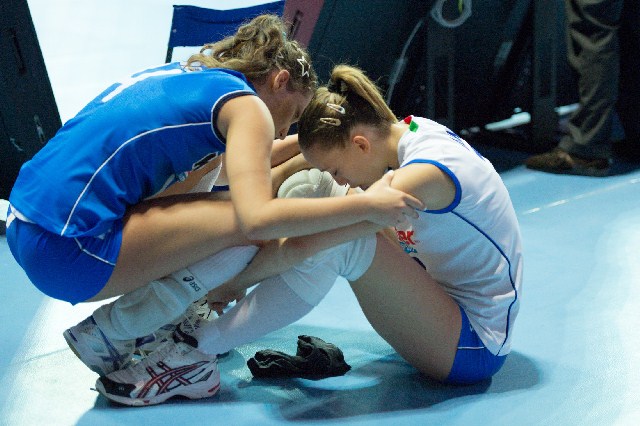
<point x="603" y="45"/>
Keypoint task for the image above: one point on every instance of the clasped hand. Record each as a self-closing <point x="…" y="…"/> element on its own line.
<point x="219" y="298"/>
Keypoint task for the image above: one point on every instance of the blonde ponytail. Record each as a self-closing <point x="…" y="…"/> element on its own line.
<point x="347" y="79"/>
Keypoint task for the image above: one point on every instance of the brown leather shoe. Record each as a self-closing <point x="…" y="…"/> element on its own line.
<point x="561" y="162"/>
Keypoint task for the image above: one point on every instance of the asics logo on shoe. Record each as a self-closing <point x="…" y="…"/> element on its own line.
<point x="168" y="379"/>
<point x="96" y="350"/>
<point x="115" y="358"/>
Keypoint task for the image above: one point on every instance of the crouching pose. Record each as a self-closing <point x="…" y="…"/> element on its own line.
<point x="444" y="294"/>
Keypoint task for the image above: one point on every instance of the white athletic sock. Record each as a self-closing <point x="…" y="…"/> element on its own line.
<point x="270" y="306"/>
<point x="286" y="298"/>
<point x="143" y="311"/>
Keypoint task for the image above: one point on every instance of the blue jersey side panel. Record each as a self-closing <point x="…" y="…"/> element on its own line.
<point x="127" y="144"/>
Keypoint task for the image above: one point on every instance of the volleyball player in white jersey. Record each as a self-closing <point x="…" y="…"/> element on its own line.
<point x="86" y="222"/>
<point x="443" y="290"/>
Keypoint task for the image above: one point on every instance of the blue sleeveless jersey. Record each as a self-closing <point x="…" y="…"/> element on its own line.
<point x="129" y="143"/>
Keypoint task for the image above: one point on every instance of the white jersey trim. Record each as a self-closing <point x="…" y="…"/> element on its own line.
<point x="91" y="254"/>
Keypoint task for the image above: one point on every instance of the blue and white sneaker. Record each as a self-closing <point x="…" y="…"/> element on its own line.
<point x="95" y="350"/>
<point x="176" y="368"/>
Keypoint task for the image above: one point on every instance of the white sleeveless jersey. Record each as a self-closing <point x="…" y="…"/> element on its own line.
<point x="472" y="247"/>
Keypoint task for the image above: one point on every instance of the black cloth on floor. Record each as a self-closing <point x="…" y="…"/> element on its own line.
<point x="315" y="359"/>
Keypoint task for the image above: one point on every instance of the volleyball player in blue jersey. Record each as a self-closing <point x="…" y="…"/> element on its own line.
<point x="101" y="210"/>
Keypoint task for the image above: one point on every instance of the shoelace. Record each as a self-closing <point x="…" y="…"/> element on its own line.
<point x="208" y="314"/>
<point x="139" y="369"/>
<point x="190" y="325"/>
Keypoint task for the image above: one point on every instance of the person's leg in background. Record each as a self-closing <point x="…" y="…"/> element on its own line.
<point x="629" y="98"/>
<point x="593" y="51"/>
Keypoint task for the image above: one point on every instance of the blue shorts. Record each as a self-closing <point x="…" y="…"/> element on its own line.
<point x="65" y="268"/>
<point x="473" y="362"/>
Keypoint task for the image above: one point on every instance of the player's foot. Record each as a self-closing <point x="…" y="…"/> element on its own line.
<point x="176" y="368"/>
<point x="95" y="350"/>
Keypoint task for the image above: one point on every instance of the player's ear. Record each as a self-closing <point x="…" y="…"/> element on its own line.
<point x="281" y="80"/>
<point x="362" y="143"/>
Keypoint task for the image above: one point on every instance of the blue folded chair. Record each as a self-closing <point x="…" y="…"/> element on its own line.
<point x="196" y="26"/>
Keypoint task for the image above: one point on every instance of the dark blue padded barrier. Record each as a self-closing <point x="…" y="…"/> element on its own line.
<point x="196" y="26"/>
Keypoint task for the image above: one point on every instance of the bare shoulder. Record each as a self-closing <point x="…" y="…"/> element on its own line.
<point x="427" y="182"/>
<point x="245" y="109"/>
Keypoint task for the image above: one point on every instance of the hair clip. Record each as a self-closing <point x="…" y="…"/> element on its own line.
<point x="331" y="121"/>
<point x="302" y="61"/>
<point x="336" y="108"/>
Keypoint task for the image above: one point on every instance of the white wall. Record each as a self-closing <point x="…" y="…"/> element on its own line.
<point x="89" y="44"/>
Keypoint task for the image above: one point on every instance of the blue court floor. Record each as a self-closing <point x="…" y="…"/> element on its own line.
<point x="576" y="353"/>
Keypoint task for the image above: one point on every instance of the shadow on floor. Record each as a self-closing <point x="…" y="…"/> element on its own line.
<point x="381" y="383"/>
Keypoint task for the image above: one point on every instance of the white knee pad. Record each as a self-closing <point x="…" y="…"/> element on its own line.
<point x="311" y="184"/>
<point x="313" y="278"/>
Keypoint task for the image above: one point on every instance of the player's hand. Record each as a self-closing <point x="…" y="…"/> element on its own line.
<point x="391" y="207"/>
<point x="218" y="299"/>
